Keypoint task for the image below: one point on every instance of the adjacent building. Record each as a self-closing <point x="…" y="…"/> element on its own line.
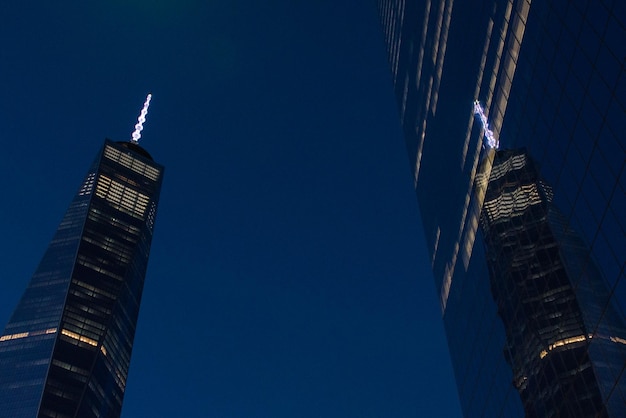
<point x="551" y="78"/>
<point x="66" y="349"/>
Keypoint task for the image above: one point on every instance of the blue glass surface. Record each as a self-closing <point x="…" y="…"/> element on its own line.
<point x="550" y="78"/>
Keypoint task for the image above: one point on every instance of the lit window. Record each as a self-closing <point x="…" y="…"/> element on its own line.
<point x="122" y="197"/>
<point x="132" y="163"/>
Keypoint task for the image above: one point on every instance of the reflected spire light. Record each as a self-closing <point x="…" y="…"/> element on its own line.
<point x="141" y="120"/>
<point x="490" y="139"/>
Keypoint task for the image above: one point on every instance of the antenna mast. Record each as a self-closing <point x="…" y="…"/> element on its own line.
<point x="141" y="120"/>
<point x="490" y="139"/>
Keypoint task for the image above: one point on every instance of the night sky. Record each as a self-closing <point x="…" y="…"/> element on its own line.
<point x="288" y="275"/>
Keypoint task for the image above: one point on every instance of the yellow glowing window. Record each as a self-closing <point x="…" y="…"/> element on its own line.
<point x="561" y="343"/>
<point x="122" y="197"/>
<point x="132" y="163"/>
<point x="78" y="337"/>
<point x="27" y="334"/>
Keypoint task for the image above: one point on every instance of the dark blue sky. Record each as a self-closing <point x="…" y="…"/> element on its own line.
<point x="288" y="275"/>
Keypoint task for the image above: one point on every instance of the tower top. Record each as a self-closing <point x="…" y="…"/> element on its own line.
<point x="141" y="119"/>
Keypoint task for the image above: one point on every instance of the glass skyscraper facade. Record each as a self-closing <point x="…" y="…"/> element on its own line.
<point x="66" y="349"/>
<point x="550" y="76"/>
<point x="560" y="327"/>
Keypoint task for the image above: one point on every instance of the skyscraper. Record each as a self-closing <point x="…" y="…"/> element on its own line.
<point x="66" y="349"/>
<point x="551" y="78"/>
<point x="549" y="296"/>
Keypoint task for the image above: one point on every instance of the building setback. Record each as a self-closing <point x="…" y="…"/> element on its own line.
<point x="66" y="349"/>
<point x="550" y="77"/>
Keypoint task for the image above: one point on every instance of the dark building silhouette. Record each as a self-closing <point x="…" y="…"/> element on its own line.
<point x="549" y="309"/>
<point x="66" y="349"/>
<point x="551" y="79"/>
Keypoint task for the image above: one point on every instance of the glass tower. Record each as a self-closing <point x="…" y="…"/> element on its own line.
<point x="550" y="76"/>
<point x="549" y="295"/>
<point x="66" y="349"/>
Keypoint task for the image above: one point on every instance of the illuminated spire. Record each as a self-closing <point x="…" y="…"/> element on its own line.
<point x="141" y="120"/>
<point x="490" y="139"/>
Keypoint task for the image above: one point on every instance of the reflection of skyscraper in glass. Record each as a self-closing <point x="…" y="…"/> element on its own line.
<point x="551" y="78"/>
<point x="549" y="296"/>
<point x="66" y="349"/>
